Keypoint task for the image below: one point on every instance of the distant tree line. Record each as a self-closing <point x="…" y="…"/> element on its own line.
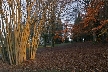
<point x="93" y="26"/>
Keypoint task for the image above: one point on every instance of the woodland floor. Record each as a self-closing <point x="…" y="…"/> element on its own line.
<point x="75" y="57"/>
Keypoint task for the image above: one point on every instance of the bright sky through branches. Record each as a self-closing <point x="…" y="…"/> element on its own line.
<point x="71" y="10"/>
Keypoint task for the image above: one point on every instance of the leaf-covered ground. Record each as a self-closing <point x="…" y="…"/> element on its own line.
<point x="75" y="57"/>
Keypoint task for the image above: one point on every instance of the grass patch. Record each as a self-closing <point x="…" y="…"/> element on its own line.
<point x="55" y="45"/>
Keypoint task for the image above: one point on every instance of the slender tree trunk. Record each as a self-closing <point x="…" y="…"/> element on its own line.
<point x="94" y="37"/>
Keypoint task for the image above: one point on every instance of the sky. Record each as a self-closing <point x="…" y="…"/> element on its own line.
<point x="70" y="12"/>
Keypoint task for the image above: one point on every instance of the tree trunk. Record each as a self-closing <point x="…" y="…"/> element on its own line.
<point x="94" y="37"/>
